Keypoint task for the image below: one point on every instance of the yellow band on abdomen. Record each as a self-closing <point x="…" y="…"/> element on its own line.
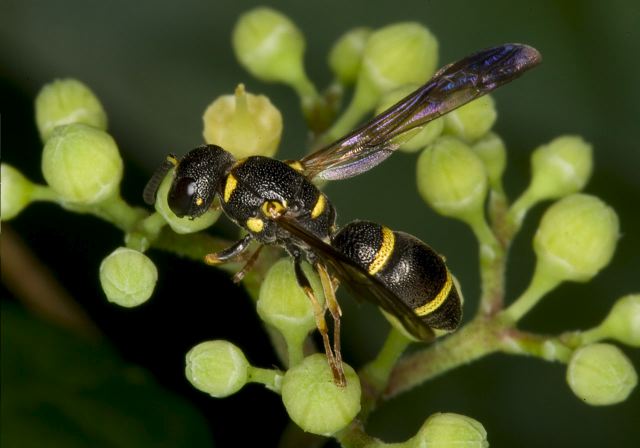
<point x="438" y="300"/>
<point x="385" y="251"/>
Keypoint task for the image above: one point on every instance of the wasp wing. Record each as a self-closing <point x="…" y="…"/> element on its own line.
<point x="357" y="280"/>
<point x="453" y="86"/>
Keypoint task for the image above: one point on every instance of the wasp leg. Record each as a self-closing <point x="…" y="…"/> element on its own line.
<point x="328" y="286"/>
<point x="231" y="252"/>
<point x="237" y="278"/>
<point x="321" y="324"/>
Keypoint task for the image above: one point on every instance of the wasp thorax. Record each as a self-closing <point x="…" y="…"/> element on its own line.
<point x="196" y="180"/>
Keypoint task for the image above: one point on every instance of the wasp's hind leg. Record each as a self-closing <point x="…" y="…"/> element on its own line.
<point x="334" y="361"/>
<point x="328" y="287"/>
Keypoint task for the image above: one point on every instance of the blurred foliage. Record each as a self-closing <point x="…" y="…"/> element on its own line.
<point x="59" y="390"/>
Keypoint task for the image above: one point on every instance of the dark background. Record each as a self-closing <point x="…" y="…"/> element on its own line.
<point x="155" y="65"/>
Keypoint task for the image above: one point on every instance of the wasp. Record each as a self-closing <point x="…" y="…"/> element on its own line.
<point x="277" y="203"/>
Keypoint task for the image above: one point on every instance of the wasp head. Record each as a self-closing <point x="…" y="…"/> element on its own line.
<point x="196" y="181"/>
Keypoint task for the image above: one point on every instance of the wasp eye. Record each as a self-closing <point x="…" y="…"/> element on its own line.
<point x="181" y="196"/>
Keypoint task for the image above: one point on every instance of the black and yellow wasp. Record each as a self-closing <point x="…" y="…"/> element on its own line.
<point x="277" y="204"/>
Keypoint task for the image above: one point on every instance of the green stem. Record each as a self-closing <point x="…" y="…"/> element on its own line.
<point x="594" y="334"/>
<point x="360" y="104"/>
<point x="44" y="193"/>
<point x="515" y="342"/>
<point x="295" y="343"/>
<point x="119" y="213"/>
<point x="477" y="339"/>
<point x="375" y="375"/>
<point x="517" y="212"/>
<point x="541" y="283"/>
<point x="492" y="264"/>
<point x="271" y="378"/>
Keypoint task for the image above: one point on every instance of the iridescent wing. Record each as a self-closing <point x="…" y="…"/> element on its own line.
<point x="357" y="280"/>
<point x="451" y="87"/>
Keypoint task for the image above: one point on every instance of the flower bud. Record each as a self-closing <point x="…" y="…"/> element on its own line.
<point x="493" y="154"/>
<point x="600" y="374"/>
<point x="345" y="56"/>
<point x="128" y="277"/>
<point x="185" y="224"/>
<point x="418" y="138"/>
<point x="576" y="237"/>
<point x="283" y="304"/>
<point x="314" y="402"/>
<point x="473" y="120"/>
<point x="243" y="124"/>
<point x="404" y="53"/>
<point x="66" y="101"/>
<point x="269" y="46"/>
<point x="452" y="178"/>
<point x="16" y="192"/>
<point x="218" y="368"/>
<point x="623" y="321"/>
<point x="448" y="430"/>
<point x="82" y="164"/>
<point x="560" y="167"/>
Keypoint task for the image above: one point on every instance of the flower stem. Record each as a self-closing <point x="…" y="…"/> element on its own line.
<point x="477" y="339"/>
<point x="376" y="374"/>
<point x="541" y="283"/>
<point x="492" y="261"/>
<point x="271" y="378"/>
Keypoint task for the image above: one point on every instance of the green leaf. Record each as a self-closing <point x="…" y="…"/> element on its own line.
<point x="60" y="390"/>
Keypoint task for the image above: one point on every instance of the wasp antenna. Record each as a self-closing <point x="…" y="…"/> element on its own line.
<point x="151" y="189"/>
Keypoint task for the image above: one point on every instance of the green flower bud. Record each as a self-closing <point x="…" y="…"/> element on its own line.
<point x="283" y="304"/>
<point x="404" y="53"/>
<point x="243" y="124"/>
<point x="16" y="192"/>
<point x="82" y="164"/>
<point x="269" y="46"/>
<point x="492" y="152"/>
<point x="452" y="178"/>
<point x="66" y="101"/>
<point x="576" y="237"/>
<point x="473" y="120"/>
<point x="128" y="277"/>
<point x="448" y="430"/>
<point x="314" y="402"/>
<point x="418" y="138"/>
<point x="600" y="374"/>
<point x="623" y="321"/>
<point x="345" y="56"/>
<point x="218" y="368"/>
<point x="560" y="167"/>
<point x="185" y="224"/>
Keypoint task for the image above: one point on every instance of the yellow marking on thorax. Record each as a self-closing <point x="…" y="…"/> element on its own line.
<point x="273" y="209"/>
<point x="199" y="201"/>
<point x="319" y="207"/>
<point x="255" y="224"/>
<point x="296" y="165"/>
<point x="385" y="251"/>
<point x="229" y="187"/>
<point x="437" y="301"/>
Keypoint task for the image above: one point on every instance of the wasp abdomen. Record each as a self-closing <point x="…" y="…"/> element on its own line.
<point x="406" y="266"/>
